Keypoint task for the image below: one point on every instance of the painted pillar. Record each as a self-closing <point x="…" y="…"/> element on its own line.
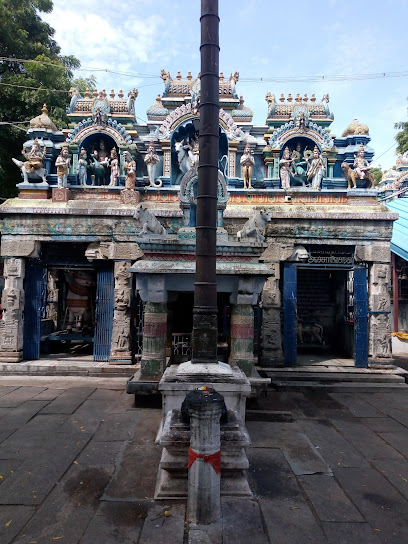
<point x="52" y="297"/>
<point x="204" y="407"/>
<point x="276" y="156"/>
<point x="120" y="346"/>
<point x="232" y="158"/>
<point x="271" y="320"/>
<point x="154" y="340"/>
<point x="166" y="147"/>
<point x="242" y="338"/>
<point x="11" y="326"/>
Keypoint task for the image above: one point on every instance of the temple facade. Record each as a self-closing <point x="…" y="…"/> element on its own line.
<point x="99" y="245"/>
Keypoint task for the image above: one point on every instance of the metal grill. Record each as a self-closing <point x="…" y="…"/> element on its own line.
<point x="35" y="300"/>
<point x="104" y="314"/>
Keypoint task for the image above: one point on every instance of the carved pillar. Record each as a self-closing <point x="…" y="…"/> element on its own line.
<point x="11" y="326"/>
<point x="379" y="318"/>
<point x="166" y="147"/>
<point x="154" y="340"/>
<point x="120" y="346"/>
<point x="242" y="338"/>
<point x="275" y="170"/>
<point x="52" y="297"/>
<point x="232" y="158"/>
<point x="271" y="320"/>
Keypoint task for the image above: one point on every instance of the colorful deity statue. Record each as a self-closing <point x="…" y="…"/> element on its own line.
<point x="83" y="167"/>
<point x="247" y="162"/>
<point x="285" y="165"/>
<point x="151" y="159"/>
<point x="62" y="163"/>
<point x="100" y="163"/>
<point x="33" y="166"/>
<point x="361" y="165"/>
<point x="114" y="165"/>
<point x="299" y="162"/>
<point x="130" y="169"/>
<point x="316" y="170"/>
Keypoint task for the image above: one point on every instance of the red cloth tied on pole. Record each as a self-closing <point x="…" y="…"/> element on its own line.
<point x="214" y="459"/>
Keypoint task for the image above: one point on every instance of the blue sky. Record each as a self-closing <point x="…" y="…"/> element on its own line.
<point x="259" y="39"/>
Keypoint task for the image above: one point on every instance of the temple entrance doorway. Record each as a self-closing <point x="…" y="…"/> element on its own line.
<point x="180" y="326"/>
<point x="323" y="324"/>
<point x="325" y="312"/>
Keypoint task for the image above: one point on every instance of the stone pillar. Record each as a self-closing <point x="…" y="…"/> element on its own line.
<point x="271" y="320"/>
<point x="154" y="340"/>
<point x="242" y="338"/>
<point x="120" y="346"/>
<point x="12" y="325"/>
<point x="205" y="407"/>
<point x="276" y="155"/>
<point x="52" y="297"/>
<point x="379" y="346"/>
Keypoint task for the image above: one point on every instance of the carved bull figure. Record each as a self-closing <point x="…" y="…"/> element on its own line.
<point x="255" y="226"/>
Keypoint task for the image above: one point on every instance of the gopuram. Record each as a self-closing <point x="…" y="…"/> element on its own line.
<point x="99" y="245"/>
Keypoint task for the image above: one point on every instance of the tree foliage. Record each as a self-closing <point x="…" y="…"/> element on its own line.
<point x="377" y="174"/>
<point x="26" y="86"/>
<point x="402" y="136"/>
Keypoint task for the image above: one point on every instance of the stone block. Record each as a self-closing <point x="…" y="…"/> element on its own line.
<point x="277" y="251"/>
<point x="19" y="248"/>
<point x="60" y="194"/>
<point x="378" y="252"/>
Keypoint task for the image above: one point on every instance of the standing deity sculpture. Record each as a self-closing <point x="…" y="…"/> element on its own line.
<point x="33" y="166"/>
<point x="151" y="159"/>
<point x="114" y="165"/>
<point x="361" y="165"/>
<point x="62" y="163"/>
<point x="285" y="165"/>
<point x="187" y="154"/>
<point x="82" y="167"/>
<point x="247" y="162"/>
<point x="316" y="170"/>
<point x="299" y="161"/>
<point x="130" y="169"/>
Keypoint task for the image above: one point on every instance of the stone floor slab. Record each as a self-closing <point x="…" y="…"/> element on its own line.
<point x="12" y="520"/>
<point x="242" y="522"/>
<point x="329" y="500"/>
<point x="116" y="523"/>
<point x="86" y="418"/>
<point x="291" y="522"/>
<point x="396" y="472"/>
<point x="365" y="440"/>
<point x="356" y="406"/>
<point x="18" y="396"/>
<point x="350" y="533"/>
<point x="383" y="507"/>
<point x="5" y="389"/>
<point x="69" y="400"/>
<point x="49" y="394"/>
<point x="333" y="447"/>
<point x="129" y="482"/>
<point x="69" y="508"/>
<point x="384" y="425"/>
<point x="118" y="426"/>
<point x="158" y="528"/>
<point x="99" y="453"/>
<point x="22" y="414"/>
<point x="399" y="441"/>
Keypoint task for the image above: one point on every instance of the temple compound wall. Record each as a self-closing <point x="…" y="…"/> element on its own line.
<point x="99" y="245"/>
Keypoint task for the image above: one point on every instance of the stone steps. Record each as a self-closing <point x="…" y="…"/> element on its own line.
<point x="351" y="387"/>
<point x="334" y="377"/>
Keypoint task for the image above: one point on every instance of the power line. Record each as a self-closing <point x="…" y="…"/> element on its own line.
<point x="259" y="79"/>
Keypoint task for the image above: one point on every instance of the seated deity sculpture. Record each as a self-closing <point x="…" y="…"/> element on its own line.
<point x="316" y="170"/>
<point x="100" y="158"/>
<point x="361" y="165"/>
<point x="33" y="167"/>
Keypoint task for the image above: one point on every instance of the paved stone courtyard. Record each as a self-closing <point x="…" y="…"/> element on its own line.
<point x="78" y="465"/>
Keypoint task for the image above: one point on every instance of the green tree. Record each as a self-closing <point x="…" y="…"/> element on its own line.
<point x="26" y="86"/>
<point x="402" y="136"/>
<point x="377" y="174"/>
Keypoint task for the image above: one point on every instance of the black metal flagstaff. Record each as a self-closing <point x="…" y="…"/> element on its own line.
<point x="205" y="328"/>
